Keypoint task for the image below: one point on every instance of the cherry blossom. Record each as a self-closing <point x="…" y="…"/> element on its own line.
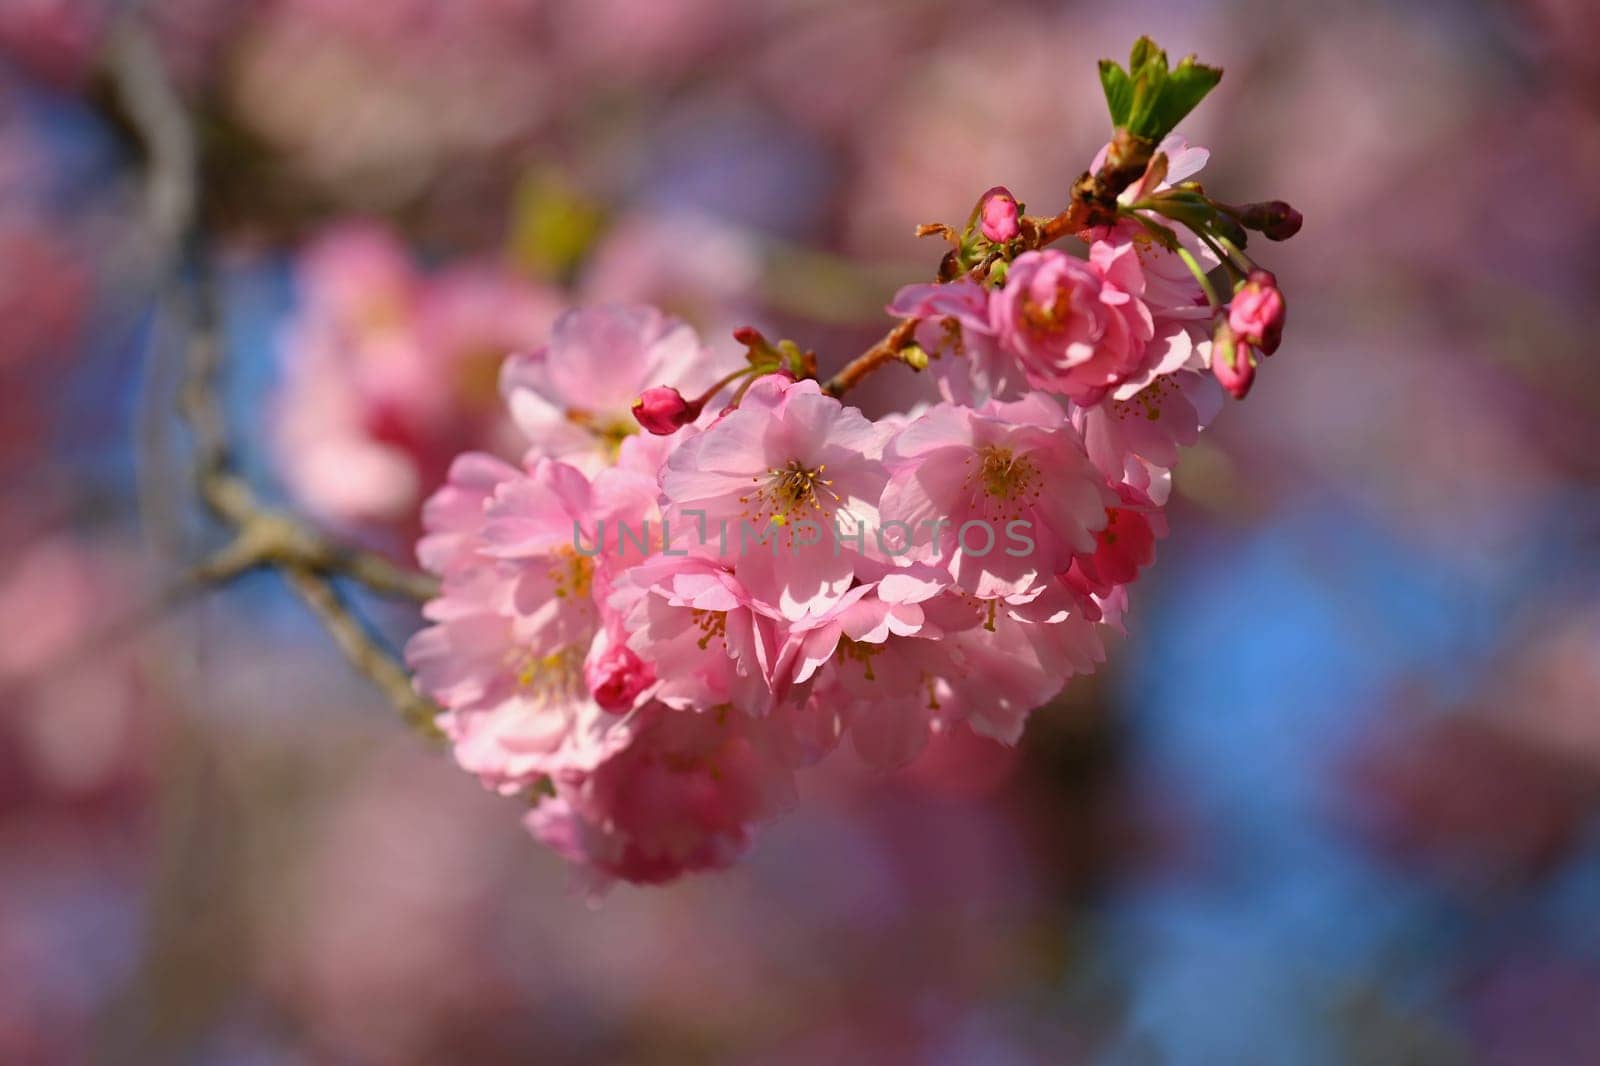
<point x="791" y="469"/>
<point x="569" y="408"/>
<point x="1003" y="496"/>
<point x="649" y="634"/>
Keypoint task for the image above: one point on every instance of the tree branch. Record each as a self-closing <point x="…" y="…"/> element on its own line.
<point x="261" y="537"/>
<point x="1093" y="203"/>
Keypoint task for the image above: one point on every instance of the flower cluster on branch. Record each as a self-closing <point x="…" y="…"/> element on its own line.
<point x="648" y="634"/>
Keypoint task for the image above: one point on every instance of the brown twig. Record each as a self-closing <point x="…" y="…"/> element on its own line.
<point x="868" y="361"/>
<point x="1093" y="203"/>
<point x="360" y="649"/>
<point x="261" y="537"/>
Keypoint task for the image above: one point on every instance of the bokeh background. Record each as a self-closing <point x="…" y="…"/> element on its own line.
<point x="1333" y="801"/>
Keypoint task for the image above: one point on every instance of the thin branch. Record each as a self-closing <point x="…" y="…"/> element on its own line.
<point x="884" y="351"/>
<point x="261" y="537"/>
<point x="363" y="652"/>
<point x="1094" y="202"/>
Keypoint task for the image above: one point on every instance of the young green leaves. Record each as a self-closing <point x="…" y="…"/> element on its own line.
<point x="1148" y="99"/>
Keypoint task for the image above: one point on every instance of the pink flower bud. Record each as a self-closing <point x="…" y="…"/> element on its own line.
<point x="662" y="410"/>
<point x="616" y="676"/>
<point x="1257" y="312"/>
<point x="1231" y="361"/>
<point x="998" y="215"/>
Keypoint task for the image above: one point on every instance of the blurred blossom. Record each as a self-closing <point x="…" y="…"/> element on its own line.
<point x="390" y="371"/>
<point x="77" y="755"/>
<point x="940" y="136"/>
<point x="375" y="101"/>
<point x="692" y="265"/>
<point x="45" y="279"/>
<point x="395" y="887"/>
<point x="55" y="40"/>
<point x="1501" y="792"/>
<point x="43" y="293"/>
<point x="76" y="725"/>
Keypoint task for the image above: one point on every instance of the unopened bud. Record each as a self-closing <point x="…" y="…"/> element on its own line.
<point x="998" y="215"/>
<point x="616" y="676"/>
<point x="1231" y="362"/>
<point x="663" y="410"/>
<point x="1257" y="312"/>
<point x="759" y="350"/>
<point x="1276" y="220"/>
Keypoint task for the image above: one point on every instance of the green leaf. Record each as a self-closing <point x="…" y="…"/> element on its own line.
<point x="1119" y="91"/>
<point x="1185" y="88"/>
<point x="1144" y="51"/>
<point x="1148" y="99"/>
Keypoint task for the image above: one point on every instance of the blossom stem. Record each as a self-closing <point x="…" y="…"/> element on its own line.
<point x="1237" y="259"/>
<point x="724" y="382"/>
<point x="868" y="361"/>
<point x="1222" y="254"/>
<point x="1199" y="275"/>
<point x="1094" y="202"/>
<point x="742" y="389"/>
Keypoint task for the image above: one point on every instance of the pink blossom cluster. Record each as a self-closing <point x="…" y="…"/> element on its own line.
<point x="646" y="635"/>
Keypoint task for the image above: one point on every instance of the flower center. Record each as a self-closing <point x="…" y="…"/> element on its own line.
<point x="1006" y="475"/>
<point x="1048" y="319"/>
<point x="857" y="652"/>
<point x="553" y="678"/>
<point x="789" y="489"/>
<point x="1146" y="403"/>
<point x="571" y="574"/>
<point x="609" y="433"/>
<point x="713" y="625"/>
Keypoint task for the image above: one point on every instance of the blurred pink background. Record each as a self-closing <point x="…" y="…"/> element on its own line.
<point x="1333" y="800"/>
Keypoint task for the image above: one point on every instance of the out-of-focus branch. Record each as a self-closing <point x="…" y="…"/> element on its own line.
<point x="353" y="639"/>
<point x="261" y="537"/>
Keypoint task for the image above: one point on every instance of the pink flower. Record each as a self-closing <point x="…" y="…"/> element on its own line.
<point x="1184" y="161"/>
<point x="1077" y="328"/>
<point x="1124" y="547"/>
<point x="517" y="620"/>
<point x="682" y="796"/>
<point x="663" y="411"/>
<point x="516" y="704"/>
<point x="954" y="328"/>
<point x="453" y="516"/>
<point x="790" y="466"/>
<point x="1177" y="303"/>
<point x="710" y="642"/>
<point x="1002" y="496"/>
<point x="997" y="215"/>
<point x="616" y="675"/>
<point x="1256" y="314"/>
<point x="573" y="398"/>
<point x="880" y="664"/>
<point x="1232" y="361"/>
<point x="1019" y="658"/>
<point x="908" y="659"/>
<point x="1135" y="441"/>
<point x="1170" y="288"/>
